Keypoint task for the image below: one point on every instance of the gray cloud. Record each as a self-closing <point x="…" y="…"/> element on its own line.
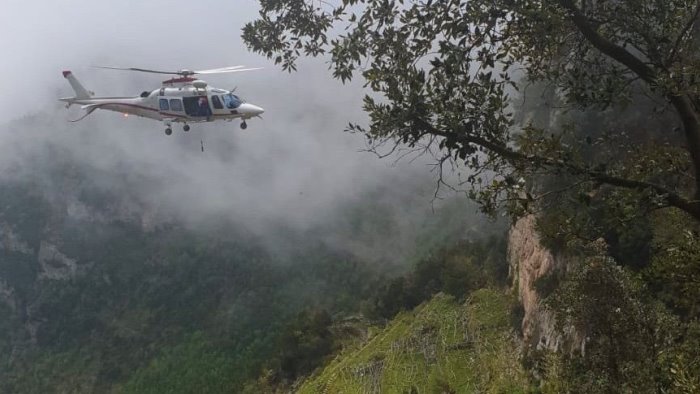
<point x="295" y="166"/>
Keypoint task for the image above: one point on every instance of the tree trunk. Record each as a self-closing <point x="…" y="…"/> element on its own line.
<point x="691" y="127"/>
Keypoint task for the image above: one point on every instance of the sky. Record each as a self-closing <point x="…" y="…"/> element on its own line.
<point x="295" y="165"/>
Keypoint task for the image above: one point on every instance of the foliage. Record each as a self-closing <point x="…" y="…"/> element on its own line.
<point x="306" y="342"/>
<point x="441" y="346"/>
<point x="643" y="302"/>
<point x="139" y="296"/>
<point x="443" y="72"/>
<point x="548" y="283"/>
<point x="674" y="273"/>
<point x="567" y="227"/>
<point x="312" y="337"/>
<point x="194" y="365"/>
<point x="69" y="371"/>
<point x="629" y="342"/>
<point x="457" y="270"/>
<point x="142" y="306"/>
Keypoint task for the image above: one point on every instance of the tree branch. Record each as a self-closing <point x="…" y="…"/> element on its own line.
<point x="514" y="157"/>
<point x="689" y="25"/>
<point x="682" y="103"/>
<point x="607" y="47"/>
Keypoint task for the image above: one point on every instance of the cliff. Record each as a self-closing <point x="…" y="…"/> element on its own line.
<point x="531" y="262"/>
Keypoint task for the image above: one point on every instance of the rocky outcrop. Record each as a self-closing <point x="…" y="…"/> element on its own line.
<point x="529" y="261"/>
<point x="11" y="242"/>
<point x="54" y="264"/>
<point x="7" y="295"/>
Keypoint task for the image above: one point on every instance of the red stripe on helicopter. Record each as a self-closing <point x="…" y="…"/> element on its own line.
<point x="174" y="115"/>
<point x="164" y="113"/>
<point x="142" y="107"/>
<point x="126" y="105"/>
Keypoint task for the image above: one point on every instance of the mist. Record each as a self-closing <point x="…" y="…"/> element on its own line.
<point x="293" y="169"/>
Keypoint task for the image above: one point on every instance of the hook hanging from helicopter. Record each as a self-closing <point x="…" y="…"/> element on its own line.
<point x="181" y="99"/>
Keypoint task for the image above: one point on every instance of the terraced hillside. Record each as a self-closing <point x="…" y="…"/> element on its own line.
<point x="441" y="346"/>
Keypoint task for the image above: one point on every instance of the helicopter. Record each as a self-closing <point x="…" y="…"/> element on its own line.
<point x="181" y="99"/>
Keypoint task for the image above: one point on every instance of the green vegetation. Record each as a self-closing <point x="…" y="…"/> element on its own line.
<point x="53" y="372"/>
<point x="172" y="309"/>
<point x="604" y="148"/>
<point x="169" y="298"/>
<point x="456" y="270"/>
<point x="625" y="334"/>
<point x="313" y="339"/>
<point x="630" y="313"/>
<point x="440" y="346"/>
<point x="192" y="366"/>
<point x="442" y="74"/>
<point x="376" y="299"/>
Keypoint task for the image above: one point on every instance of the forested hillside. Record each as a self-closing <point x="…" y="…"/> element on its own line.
<point x="101" y="294"/>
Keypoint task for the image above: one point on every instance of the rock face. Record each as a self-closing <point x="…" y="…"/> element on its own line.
<point x="529" y="261"/>
<point x="7" y="295"/>
<point x="54" y="264"/>
<point x="11" y="242"/>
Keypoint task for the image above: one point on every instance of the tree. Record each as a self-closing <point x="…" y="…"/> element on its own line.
<point x="630" y="342"/>
<point x="442" y="73"/>
<point x="305" y="344"/>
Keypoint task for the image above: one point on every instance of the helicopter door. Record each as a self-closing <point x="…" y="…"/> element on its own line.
<point x="197" y="106"/>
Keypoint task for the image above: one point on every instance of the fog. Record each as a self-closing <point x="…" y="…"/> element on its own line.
<point x="293" y="167"/>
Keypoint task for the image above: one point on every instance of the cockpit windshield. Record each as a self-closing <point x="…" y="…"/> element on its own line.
<point x="231" y="101"/>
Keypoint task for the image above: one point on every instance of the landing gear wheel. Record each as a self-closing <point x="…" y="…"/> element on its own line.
<point x="168" y="131"/>
<point x="244" y="125"/>
<point x="186" y="127"/>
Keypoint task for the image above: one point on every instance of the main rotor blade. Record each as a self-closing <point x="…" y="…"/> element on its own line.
<point x="210" y="70"/>
<point x="143" y="70"/>
<point x="226" y="70"/>
<point x="184" y="72"/>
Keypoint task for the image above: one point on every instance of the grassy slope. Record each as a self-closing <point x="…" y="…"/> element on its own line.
<point x="441" y="346"/>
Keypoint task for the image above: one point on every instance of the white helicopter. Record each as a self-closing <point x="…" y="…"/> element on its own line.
<point x="182" y="99"/>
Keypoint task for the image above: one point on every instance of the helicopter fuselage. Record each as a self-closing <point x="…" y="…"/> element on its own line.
<point x="184" y="100"/>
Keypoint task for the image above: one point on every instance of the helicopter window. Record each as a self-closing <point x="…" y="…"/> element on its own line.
<point x="164" y="105"/>
<point x="232" y="101"/>
<point x="216" y="102"/>
<point x="175" y="104"/>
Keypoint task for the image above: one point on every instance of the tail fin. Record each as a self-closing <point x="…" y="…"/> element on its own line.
<point x="80" y="91"/>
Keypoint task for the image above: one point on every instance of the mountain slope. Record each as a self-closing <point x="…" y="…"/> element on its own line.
<point x="441" y="346"/>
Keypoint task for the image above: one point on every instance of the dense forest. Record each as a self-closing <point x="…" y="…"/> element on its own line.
<point x="99" y="294"/>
